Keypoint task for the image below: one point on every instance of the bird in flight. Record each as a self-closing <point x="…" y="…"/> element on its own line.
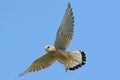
<point x="71" y="60"/>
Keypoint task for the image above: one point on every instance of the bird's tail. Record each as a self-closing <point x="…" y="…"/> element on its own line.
<point x="76" y="60"/>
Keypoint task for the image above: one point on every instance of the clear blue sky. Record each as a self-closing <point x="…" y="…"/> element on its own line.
<point x="26" y="26"/>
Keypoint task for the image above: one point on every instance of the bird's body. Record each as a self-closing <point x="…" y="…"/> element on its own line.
<point x="71" y="60"/>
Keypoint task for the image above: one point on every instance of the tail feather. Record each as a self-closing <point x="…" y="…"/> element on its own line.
<point x="78" y="59"/>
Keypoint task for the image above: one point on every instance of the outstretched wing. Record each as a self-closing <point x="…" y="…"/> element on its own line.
<point x="41" y="63"/>
<point x="65" y="31"/>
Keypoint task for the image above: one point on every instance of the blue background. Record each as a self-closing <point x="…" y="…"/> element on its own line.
<point x="26" y="26"/>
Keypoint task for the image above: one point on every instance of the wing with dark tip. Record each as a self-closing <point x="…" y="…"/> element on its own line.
<point x="41" y="63"/>
<point x="65" y="31"/>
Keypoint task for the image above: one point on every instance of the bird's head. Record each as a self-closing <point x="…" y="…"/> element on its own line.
<point x="49" y="48"/>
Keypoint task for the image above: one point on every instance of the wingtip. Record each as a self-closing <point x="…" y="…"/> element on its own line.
<point x="69" y="5"/>
<point x="20" y="75"/>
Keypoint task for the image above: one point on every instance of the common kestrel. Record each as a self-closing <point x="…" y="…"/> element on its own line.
<point x="57" y="52"/>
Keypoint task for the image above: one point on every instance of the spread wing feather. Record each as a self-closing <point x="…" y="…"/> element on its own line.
<point x="41" y="63"/>
<point x="65" y="31"/>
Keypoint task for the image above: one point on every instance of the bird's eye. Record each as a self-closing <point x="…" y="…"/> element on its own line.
<point x="48" y="47"/>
